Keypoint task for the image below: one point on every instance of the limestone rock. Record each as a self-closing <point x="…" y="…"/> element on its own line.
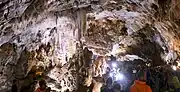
<point x="53" y="33"/>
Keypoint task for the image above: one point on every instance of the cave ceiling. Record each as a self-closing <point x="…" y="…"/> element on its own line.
<point x="44" y="32"/>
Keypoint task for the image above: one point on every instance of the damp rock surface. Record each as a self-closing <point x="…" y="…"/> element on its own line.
<point x="52" y="33"/>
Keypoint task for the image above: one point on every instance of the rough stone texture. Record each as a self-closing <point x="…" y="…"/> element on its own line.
<point x="176" y="7"/>
<point x="48" y="33"/>
<point x="64" y="79"/>
<point x="134" y="30"/>
<point x="47" y="38"/>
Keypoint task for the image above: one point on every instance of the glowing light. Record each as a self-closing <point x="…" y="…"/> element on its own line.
<point x="174" y="68"/>
<point x="119" y="76"/>
<point x="114" y="65"/>
<point x="178" y="64"/>
<point x="134" y="71"/>
<point x="111" y="74"/>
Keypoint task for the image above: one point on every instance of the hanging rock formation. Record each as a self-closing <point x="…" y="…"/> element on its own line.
<point x="62" y="36"/>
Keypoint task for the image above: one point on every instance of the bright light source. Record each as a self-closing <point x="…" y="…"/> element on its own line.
<point x="111" y="74"/>
<point x="174" y="67"/>
<point x="134" y="71"/>
<point x="114" y="65"/>
<point x="178" y="64"/>
<point x="119" y="76"/>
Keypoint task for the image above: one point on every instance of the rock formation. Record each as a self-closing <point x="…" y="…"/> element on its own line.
<point x="61" y="37"/>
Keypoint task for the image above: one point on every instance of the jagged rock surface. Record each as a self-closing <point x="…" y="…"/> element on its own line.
<point x="46" y="33"/>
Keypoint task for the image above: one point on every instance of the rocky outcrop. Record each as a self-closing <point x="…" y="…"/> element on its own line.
<point x="30" y="37"/>
<point x="63" y="35"/>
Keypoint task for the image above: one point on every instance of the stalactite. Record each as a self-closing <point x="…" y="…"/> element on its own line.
<point x="81" y="23"/>
<point x="51" y="39"/>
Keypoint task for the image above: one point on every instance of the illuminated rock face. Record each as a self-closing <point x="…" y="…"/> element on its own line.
<point x="46" y="33"/>
<point x="33" y="35"/>
<point x="45" y="43"/>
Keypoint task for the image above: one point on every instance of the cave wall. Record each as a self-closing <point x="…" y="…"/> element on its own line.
<point x="34" y="34"/>
<point x="53" y="33"/>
